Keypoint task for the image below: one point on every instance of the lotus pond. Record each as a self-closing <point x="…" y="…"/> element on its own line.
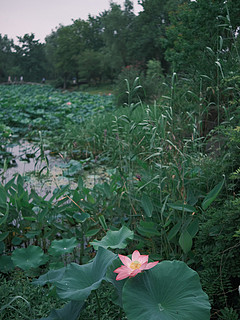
<point x="85" y="187"/>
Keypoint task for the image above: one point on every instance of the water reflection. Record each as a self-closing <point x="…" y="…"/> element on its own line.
<point x="44" y="172"/>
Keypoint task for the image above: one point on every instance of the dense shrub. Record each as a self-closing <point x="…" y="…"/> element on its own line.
<point x="217" y="253"/>
<point x="128" y="76"/>
<point x="151" y="83"/>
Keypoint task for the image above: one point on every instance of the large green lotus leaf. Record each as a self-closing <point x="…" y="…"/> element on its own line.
<point x="52" y="276"/>
<point x="30" y="257"/>
<point x="79" y="280"/>
<point x="114" y="239"/>
<point x="169" y="291"/>
<point x="118" y="285"/>
<point x="59" y="247"/>
<point x="70" y="311"/>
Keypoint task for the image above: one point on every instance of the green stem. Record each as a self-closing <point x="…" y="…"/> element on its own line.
<point x="82" y="248"/>
<point x="99" y="305"/>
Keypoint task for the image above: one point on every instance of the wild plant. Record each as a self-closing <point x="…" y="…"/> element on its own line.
<point x="136" y="291"/>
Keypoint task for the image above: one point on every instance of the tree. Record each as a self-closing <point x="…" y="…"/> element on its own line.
<point x="6" y="57"/>
<point x="31" y="58"/>
<point x="90" y="66"/>
<point x="147" y="38"/>
<point x="201" y="33"/>
<point x="66" y="46"/>
<point x="203" y="46"/>
<point x="117" y="27"/>
<point x="62" y="50"/>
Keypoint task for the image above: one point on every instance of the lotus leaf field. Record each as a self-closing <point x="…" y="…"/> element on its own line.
<point x="155" y="190"/>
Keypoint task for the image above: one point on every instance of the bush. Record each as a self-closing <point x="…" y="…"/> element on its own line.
<point x="129" y="74"/>
<point x="153" y="80"/>
<point x="151" y="83"/>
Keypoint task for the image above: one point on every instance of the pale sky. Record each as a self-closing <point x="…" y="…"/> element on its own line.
<point x="18" y="17"/>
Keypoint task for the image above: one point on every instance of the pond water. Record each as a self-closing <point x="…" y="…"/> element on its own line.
<point x="47" y="172"/>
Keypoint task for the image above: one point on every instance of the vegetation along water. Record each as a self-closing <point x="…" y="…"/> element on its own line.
<point x="119" y="173"/>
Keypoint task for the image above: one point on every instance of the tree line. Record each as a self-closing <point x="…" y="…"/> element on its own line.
<point x="188" y="37"/>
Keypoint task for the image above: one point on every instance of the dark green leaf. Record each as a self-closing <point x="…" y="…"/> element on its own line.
<point x="182" y="207"/>
<point x="103" y="222"/>
<point x="114" y="239"/>
<point x="3" y="235"/>
<point x="6" y="264"/>
<point x="212" y="195"/>
<point x="81" y="216"/>
<point x="148" y="229"/>
<point x="147" y="205"/>
<point x="185" y="241"/>
<point x="193" y="227"/>
<point x="174" y="230"/>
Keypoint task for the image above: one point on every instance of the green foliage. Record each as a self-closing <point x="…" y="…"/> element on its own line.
<point x="150" y="84"/>
<point x="129" y="79"/>
<point x="153" y="82"/>
<point x="90" y="64"/>
<point x="117" y="25"/>
<point x="216" y="250"/>
<point x="212" y="195"/>
<point x="70" y="310"/>
<point x="162" y="181"/>
<point x="228" y="314"/>
<point x="21" y="300"/>
<point x="149" y="31"/>
<point x="233" y="136"/>
<point x="196" y="26"/>
<point x="59" y="247"/>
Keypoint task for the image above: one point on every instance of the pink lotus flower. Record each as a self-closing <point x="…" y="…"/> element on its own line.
<point x="69" y="103"/>
<point x="132" y="267"/>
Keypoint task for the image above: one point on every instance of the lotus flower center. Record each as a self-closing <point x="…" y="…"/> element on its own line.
<point x="135" y="265"/>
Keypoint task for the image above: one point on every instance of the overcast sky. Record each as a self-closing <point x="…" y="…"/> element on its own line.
<point x="18" y="17"/>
